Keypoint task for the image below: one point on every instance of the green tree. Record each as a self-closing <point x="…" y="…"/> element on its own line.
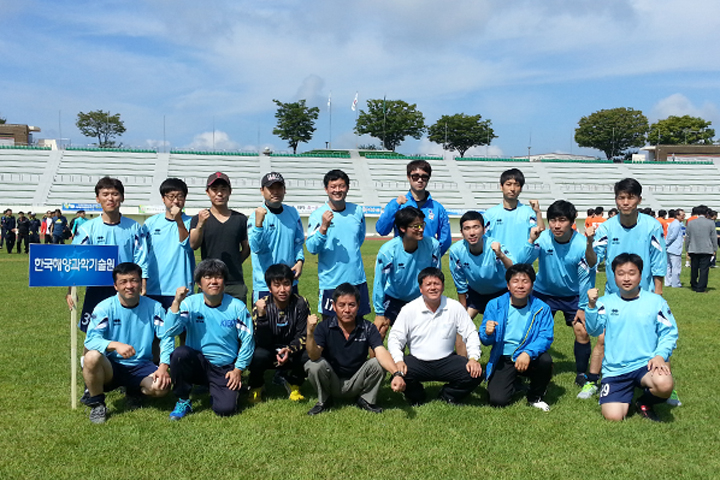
<point x="295" y="122"/>
<point x="390" y="121"/>
<point x="681" y="130"/>
<point x="2" y="120"/>
<point x="612" y="131"/>
<point x="461" y="132"/>
<point x="101" y="125"/>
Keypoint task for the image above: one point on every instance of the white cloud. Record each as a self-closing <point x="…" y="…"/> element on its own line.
<point x="217" y="140"/>
<point x="678" y="105"/>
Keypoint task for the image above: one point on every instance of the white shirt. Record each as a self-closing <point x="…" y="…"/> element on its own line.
<point x="431" y="335"/>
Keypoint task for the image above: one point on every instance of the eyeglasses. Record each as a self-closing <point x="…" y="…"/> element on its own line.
<point x="172" y="198"/>
<point x="416" y="176"/>
<point x="417" y="226"/>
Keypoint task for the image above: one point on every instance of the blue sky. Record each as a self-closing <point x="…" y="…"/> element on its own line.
<point x="532" y="67"/>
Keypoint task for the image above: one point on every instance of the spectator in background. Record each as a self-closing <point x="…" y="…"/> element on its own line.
<point x="77" y="222"/>
<point x="35" y="226"/>
<point x="674" y="242"/>
<point x="2" y="229"/>
<point x="714" y="218"/>
<point x="60" y="224"/>
<point x="663" y="221"/>
<point x="9" y="229"/>
<point x="46" y="227"/>
<point x="612" y="212"/>
<point x="598" y="217"/>
<point x="701" y="244"/>
<point x="23" y="232"/>
<point x="589" y="218"/>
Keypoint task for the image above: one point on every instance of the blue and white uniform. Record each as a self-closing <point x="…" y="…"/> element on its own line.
<point x="137" y="327"/>
<point x="127" y="235"/>
<point x="563" y="270"/>
<point x="170" y="262"/>
<point x="437" y="223"/>
<point x="483" y="273"/>
<point x="279" y="240"/>
<point x="645" y="239"/>
<point x="396" y="271"/>
<point x="636" y="331"/>
<point x="223" y="334"/>
<point x="510" y="227"/>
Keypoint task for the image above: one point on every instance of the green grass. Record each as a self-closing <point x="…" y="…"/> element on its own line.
<point x="41" y="437"/>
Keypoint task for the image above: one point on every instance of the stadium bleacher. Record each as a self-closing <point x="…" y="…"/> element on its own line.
<point x="41" y="178"/>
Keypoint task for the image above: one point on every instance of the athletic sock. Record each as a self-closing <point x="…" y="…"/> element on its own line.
<point x="97" y="399"/>
<point x="582" y="356"/>
<point x="648" y="398"/>
<point x="593" y="377"/>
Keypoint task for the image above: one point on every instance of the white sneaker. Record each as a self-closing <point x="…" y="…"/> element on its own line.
<point x="541" y="405"/>
<point x="588" y="390"/>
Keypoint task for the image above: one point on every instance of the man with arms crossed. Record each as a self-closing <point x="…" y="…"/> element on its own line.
<point x="428" y="326"/>
<point x="119" y="344"/>
<point x="641" y="334"/>
<point x="336" y="231"/>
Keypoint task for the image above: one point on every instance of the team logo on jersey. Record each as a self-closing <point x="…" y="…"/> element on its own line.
<point x="116" y="321"/>
<point x="402" y="265"/>
<point x="241" y="326"/>
<point x="616" y="241"/>
<point x="431" y="215"/>
<point x="199" y="319"/>
<point x="157" y="231"/>
<point x="550" y="251"/>
<point x="615" y="312"/>
<point x="271" y="226"/>
<point x="100" y="239"/>
<point x="663" y="319"/>
<point x="158" y="321"/>
<point x="497" y="222"/>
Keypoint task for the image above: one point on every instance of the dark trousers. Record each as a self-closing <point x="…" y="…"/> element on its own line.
<point x="48" y="238"/>
<point x="264" y="359"/>
<point x="189" y="367"/>
<point x="699" y="268"/>
<point x="56" y="239"/>
<point x="22" y="237"/>
<point x="9" y="240"/>
<point x="501" y="385"/>
<point x="451" y="369"/>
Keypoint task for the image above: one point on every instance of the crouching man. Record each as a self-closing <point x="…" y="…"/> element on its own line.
<point x="428" y="326"/>
<point x="338" y="351"/>
<point x="119" y="345"/>
<point x="640" y="333"/>
<point x="520" y="329"/>
<point x="219" y="343"/>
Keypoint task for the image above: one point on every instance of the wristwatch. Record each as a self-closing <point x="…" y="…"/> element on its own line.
<point x="398" y="374"/>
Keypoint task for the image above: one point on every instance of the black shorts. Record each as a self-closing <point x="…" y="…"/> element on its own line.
<point x="479" y="301"/>
<point x="620" y="389"/>
<point x="567" y="305"/>
<point x="129" y="376"/>
<point x="392" y="308"/>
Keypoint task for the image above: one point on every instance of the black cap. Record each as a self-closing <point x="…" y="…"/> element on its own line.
<point x="270" y="178"/>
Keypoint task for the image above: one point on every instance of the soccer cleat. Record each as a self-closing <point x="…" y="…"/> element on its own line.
<point x="588" y="390"/>
<point x="182" y="408"/>
<point x="98" y="413"/>
<point x="540" y="405"/>
<point x="255" y="395"/>
<point x="646" y="411"/>
<point x="580" y="379"/>
<point x="295" y="394"/>
<point x="674" y="400"/>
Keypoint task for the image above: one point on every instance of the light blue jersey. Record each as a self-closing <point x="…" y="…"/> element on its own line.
<point x="170" y="262"/>
<point x="127" y="235"/>
<point x="517" y="320"/>
<point x="396" y="271"/>
<point x="279" y="240"/>
<point x="563" y="270"/>
<point x="635" y="330"/>
<point x="338" y="251"/>
<point x="510" y="227"/>
<point x="483" y="273"/>
<point x="223" y="334"/>
<point x="644" y="239"/>
<point x="137" y="327"/>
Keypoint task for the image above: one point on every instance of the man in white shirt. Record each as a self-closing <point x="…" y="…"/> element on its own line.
<point x="428" y="326"/>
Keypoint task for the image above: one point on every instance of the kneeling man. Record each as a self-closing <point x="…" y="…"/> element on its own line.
<point x="219" y="343"/>
<point x="519" y="327"/>
<point x="428" y="326"/>
<point x="119" y="343"/>
<point x="338" y="351"/>
<point x="640" y="333"/>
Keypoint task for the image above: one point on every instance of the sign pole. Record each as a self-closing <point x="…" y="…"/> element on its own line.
<point x="73" y="348"/>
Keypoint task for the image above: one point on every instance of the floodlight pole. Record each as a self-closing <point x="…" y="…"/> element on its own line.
<point x="73" y="348"/>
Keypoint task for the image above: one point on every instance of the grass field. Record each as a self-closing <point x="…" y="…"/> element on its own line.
<point x="41" y="437"/>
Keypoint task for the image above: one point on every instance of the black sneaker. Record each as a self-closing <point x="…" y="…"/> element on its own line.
<point x="320" y="407"/>
<point x="98" y="413"/>
<point x="646" y="411"/>
<point x="365" y="405"/>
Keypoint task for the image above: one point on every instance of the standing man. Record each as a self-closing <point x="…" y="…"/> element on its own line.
<point x="519" y="327"/>
<point x="336" y="231"/>
<point x="701" y="244"/>
<point x="399" y="262"/>
<point x="119" y="344"/>
<point x="222" y="233"/>
<point x="111" y="228"/>
<point x="77" y="222"/>
<point x="275" y="235"/>
<point x="9" y="225"/>
<point x="219" y="343"/>
<point x="510" y="222"/>
<point x="60" y="224"/>
<point x="23" y="231"/>
<point x="35" y="226"/>
<point x="674" y="241"/>
<point x="428" y="326"/>
<point x="338" y="350"/>
<point x="436" y="218"/>
<point x="171" y="261"/>
<point x="47" y="227"/>
<point x="2" y="229"/>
